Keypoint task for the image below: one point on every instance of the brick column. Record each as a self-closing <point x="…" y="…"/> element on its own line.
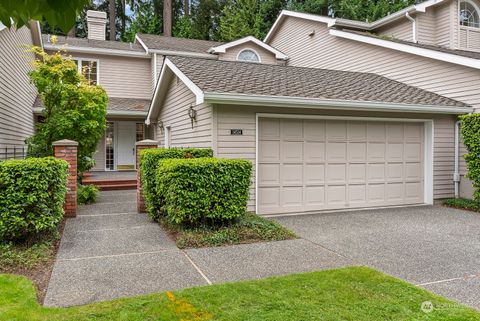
<point x="139" y="146"/>
<point x="67" y="150"/>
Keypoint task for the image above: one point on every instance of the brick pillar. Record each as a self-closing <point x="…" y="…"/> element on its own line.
<point x="67" y="150"/>
<point x="139" y="146"/>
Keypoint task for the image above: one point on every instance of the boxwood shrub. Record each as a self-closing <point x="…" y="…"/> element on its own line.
<point x="32" y="193"/>
<point x="149" y="160"/>
<point x="203" y="190"/>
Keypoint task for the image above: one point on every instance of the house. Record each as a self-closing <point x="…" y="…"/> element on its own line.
<point x="16" y="93"/>
<point x="356" y="114"/>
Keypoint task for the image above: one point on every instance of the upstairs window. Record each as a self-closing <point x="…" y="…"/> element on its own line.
<point x="469" y="14"/>
<point x="89" y="69"/>
<point x="248" y="55"/>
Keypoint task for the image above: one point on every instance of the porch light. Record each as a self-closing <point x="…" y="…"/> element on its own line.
<point x="192" y="113"/>
<point x="160" y="125"/>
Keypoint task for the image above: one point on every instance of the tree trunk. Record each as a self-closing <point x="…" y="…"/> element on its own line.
<point x="186" y="7"/>
<point x="167" y="18"/>
<point x="111" y="8"/>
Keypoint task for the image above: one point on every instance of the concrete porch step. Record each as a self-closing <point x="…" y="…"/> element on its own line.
<point x="110" y="185"/>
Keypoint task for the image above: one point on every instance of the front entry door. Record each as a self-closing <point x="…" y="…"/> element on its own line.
<point x="126" y="145"/>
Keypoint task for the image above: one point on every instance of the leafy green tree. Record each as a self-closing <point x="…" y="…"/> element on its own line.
<point x="311" y="6"/>
<point x="367" y="10"/>
<point x="239" y="19"/>
<point x="144" y="20"/>
<point x="58" y="13"/>
<point x="73" y="109"/>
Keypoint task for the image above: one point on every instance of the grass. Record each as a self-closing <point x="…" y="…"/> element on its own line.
<point x="463" y="203"/>
<point x="248" y="229"/>
<point x="356" y="293"/>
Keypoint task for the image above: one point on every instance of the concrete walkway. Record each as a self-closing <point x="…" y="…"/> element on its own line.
<point x="109" y="251"/>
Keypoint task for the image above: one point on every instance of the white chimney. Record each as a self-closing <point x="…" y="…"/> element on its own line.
<point x="96" y="24"/>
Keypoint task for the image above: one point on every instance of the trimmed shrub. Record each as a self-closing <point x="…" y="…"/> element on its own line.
<point x="203" y="190"/>
<point x="470" y="127"/>
<point x="149" y="159"/>
<point x="32" y="193"/>
<point x="86" y="194"/>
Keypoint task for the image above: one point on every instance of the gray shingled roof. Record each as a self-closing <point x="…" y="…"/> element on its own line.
<point x="177" y="44"/>
<point x="116" y="104"/>
<point x="272" y="80"/>
<point x="89" y="43"/>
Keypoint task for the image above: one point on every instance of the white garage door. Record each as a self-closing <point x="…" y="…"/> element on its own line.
<point x="308" y="165"/>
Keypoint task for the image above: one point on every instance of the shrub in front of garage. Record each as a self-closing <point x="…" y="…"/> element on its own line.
<point x="32" y="193"/>
<point x="205" y="191"/>
<point x="149" y="162"/>
<point x="470" y="127"/>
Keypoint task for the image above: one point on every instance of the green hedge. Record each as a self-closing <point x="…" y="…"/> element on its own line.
<point x="204" y="190"/>
<point x="470" y="127"/>
<point x="149" y="159"/>
<point x="32" y="193"/>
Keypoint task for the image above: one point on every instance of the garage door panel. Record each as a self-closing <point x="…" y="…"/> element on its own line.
<point x="307" y="165"/>
<point x="269" y="174"/>
<point x="314" y="152"/>
<point x="269" y="151"/>
<point x="336" y="152"/>
<point x="336" y="130"/>
<point x="292" y="152"/>
<point x="336" y="173"/>
<point x="270" y="129"/>
<point x="292" y="175"/>
<point x="314" y="174"/>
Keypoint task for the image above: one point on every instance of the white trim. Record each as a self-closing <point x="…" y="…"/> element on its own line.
<point x="141" y="43"/>
<point x="282" y="101"/>
<point x="251" y="49"/>
<point x="110" y="52"/>
<point x="183" y="54"/>
<point x="168" y="65"/>
<point x="427" y="146"/>
<point x="433" y="54"/>
<point x="224" y="47"/>
<point x="167" y="130"/>
<point x="475" y="6"/>
<point x="79" y="65"/>
<point x="154" y="70"/>
<point x="39" y="28"/>
<point x="2" y="26"/>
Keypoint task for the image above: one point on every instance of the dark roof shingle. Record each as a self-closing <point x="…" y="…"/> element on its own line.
<point x="115" y="104"/>
<point x="273" y="80"/>
<point x="177" y="44"/>
<point x="89" y="43"/>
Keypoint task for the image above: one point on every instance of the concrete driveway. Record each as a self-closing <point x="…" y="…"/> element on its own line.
<point x="435" y="247"/>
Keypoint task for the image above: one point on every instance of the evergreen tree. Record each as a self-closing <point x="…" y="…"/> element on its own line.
<point x="239" y="19"/>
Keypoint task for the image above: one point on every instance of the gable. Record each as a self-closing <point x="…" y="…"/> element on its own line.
<point x="265" y="56"/>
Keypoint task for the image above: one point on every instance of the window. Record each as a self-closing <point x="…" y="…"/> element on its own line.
<point x="140" y="132"/>
<point x="110" y="147"/>
<point x="88" y="68"/>
<point x="248" y="55"/>
<point x="469" y="14"/>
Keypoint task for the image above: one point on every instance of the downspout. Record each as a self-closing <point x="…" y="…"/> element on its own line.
<point x="414" y="27"/>
<point x="456" y="174"/>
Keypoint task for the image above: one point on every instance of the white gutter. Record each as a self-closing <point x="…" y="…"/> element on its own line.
<point x="456" y="173"/>
<point x="282" y="101"/>
<point x="183" y="54"/>
<point x="414" y="27"/>
<point x="111" y="52"/>
<point x="131" y="113"/>
<point x="415" y="50"/>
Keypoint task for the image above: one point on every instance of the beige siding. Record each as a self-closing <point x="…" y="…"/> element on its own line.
<point x="174" y="113"/>
<point x="469" y="38"/>
<point x="445" y="23"/>
<point x="16" y="93"/>
<point x="426" y="27"/>
<point x="123" y="76"/>
<point x="266" y="56"/>
<point x="242" y="117"/>
<point x="99" y="156"/>
<point x="400" y="30"/>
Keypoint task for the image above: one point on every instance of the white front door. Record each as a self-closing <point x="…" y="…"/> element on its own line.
<point x="126" y="131"/>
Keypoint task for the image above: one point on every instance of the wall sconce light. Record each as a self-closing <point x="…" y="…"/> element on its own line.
<point x="160" y="125"/>
<point x="312" y="33"/>
<point x="192" y="113"/>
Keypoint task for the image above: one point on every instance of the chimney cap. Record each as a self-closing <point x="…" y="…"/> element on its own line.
<point x="96" y="14"/>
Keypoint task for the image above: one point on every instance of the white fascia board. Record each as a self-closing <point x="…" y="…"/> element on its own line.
<point x="183" y="54"/>
<point x="169" y="65"/>
<point x="130" y="113"/>
<point x="433" y="54"/>
<point x="287" y="13"/>
<point x="222" y="48"/>
<point x="102" y="51"/>
<point x="2" y="26"/>
<point x="137" y="38"/>
<point x="281" y="101"/>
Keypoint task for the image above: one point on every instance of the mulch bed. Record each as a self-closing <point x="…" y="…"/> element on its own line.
<point x="39" y="274"/>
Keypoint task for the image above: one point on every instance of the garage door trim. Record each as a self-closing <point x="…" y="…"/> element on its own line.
<point x="428" y="144"/>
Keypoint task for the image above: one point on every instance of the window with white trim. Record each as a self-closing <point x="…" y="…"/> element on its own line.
<point x="89" y="69"/>
<point x="468" y="15"/>
<point x="248" y="55"/>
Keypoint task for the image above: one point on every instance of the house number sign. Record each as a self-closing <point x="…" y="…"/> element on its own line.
<point x="236" y="131"/>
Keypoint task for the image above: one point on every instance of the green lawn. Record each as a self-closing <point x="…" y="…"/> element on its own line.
<point x="355" y="294"/>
